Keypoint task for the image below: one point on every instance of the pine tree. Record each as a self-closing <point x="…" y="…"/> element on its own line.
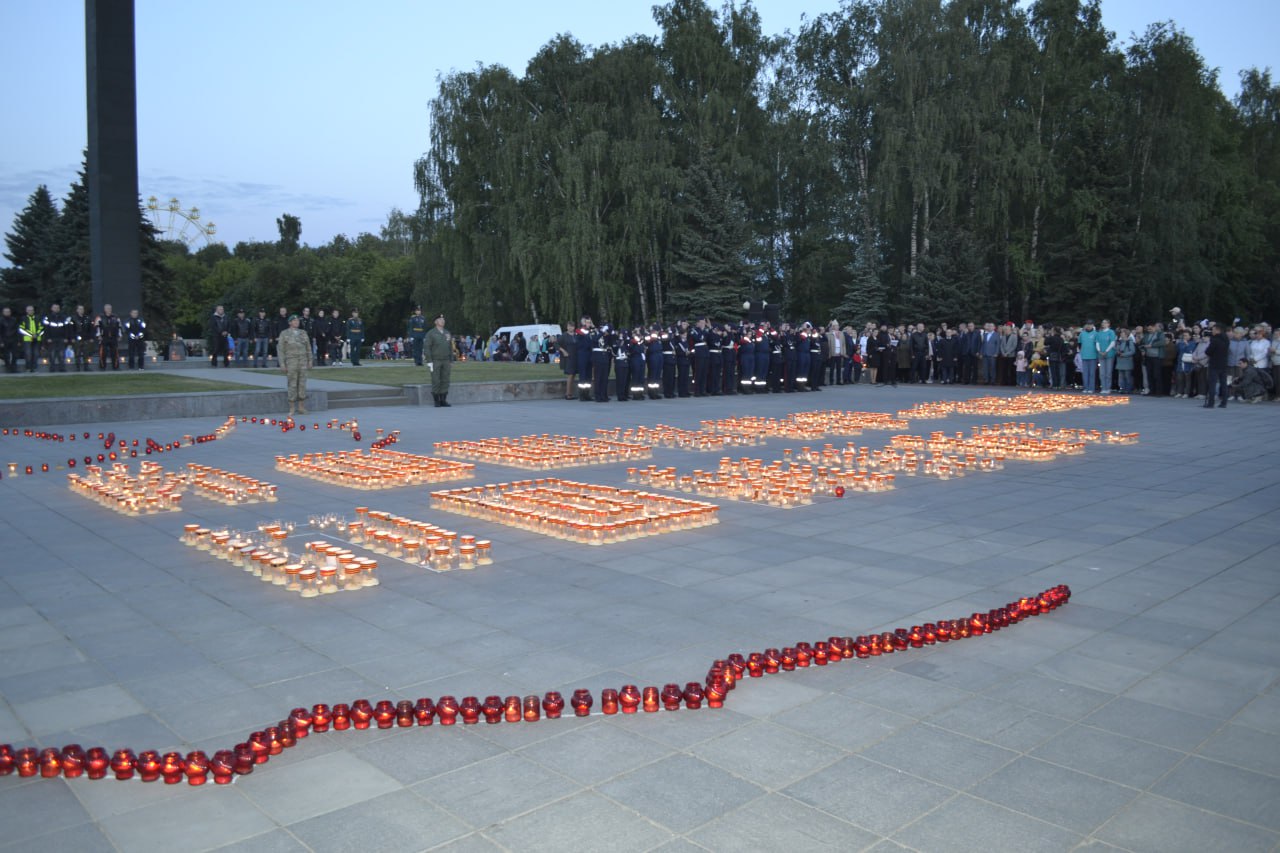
<point x="32" y="249"/>
<point x="952" y="282"/>
<point x="75" y="265"/>
<point x="713" y="274"/>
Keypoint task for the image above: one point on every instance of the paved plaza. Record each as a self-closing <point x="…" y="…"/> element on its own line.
<point x="1144" y="715"/>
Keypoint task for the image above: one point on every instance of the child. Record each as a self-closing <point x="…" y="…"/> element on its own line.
<point x="1039" y="365"/>
<point x="1020" y="366"/>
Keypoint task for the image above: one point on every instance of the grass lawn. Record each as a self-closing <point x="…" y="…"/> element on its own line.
<point x="398" y="373"/>
<point x="44" y="385"/>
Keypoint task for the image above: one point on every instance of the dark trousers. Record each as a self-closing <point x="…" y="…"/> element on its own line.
<point x="683" y="378"/>
<point x="600" y="376"/>
<point x="701" y="370"/>
<point x="622" y="379"/>
<point x="919" y="367"/>
<point x="669" y="377"/>
<point x="137" y="354"/>
<point x="715" y="367"/>
<point x="1217" y="384"/>
<point x="417" y="350"/>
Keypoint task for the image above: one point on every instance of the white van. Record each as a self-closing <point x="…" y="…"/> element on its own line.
<point x="552" y="329"/>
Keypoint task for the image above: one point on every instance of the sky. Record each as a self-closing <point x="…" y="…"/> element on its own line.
<point x="249" y="109"/>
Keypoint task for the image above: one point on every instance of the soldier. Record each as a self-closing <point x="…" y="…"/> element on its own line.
<point x="619" y="344"/>
<point x="84" y="338"/>
<point x="219" y="334"/>
<point x="109" y="332"/>
<point x="439" y="350"/>
<point x="9" y="339"/>
<point x="242" y="334"/>
<point x="135" y="328"/>
<point x="416" y="329"/>
<point x="585" y="340"/>
<point x="56" y="328"/>
<point x="655" y="359"/>
<point x="602" y="348"/>
<point x="355" y="336"/>
<point x="635" y="358"/>
<point x="32" y="332"/>
<point x="262" y="335"/>
<point x="294" y="351"/>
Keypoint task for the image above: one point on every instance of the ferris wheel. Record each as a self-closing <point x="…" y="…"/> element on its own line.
<point x="183" y="226"/>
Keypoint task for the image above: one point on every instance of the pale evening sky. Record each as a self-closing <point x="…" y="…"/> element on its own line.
<point x="249" y="109"/>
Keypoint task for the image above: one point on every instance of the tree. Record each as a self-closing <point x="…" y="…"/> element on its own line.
<point x="710" y="262"/>
<point x="32" y="249"/>
<point x="290" y="228"/>
<point x="75" y="264"/>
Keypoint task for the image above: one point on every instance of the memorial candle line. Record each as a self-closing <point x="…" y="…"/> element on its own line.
<point x="152" y="491"/>
<point x="543" y="452"/>
<point x="408" y="540"/>
<point x="724" y="676"/>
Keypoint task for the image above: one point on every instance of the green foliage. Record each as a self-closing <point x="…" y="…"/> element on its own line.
<point x="32" y="249"/>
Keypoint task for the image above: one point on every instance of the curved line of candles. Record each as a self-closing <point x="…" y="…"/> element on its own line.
<point x="73" y="761"/>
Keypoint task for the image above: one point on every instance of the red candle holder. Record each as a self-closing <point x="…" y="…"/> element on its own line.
<point x="609" y="701"/>
<point x="469" y="710"/>
<point x="788" y="659"/>
<point x="361" y="714"/>
<point x="275" y="743"/>
<point x="27" y="762"/>
<point x="772" y="660"/>
<point x="123" y="763"/>
<point x="755" y="665"/>
<point x="649" y="700"/>
<point x="693" y="695"/>
<point x="50" y="761"/>
<point x="629" y="698"/>
<point x="341" y="717"/>
<point x="244" y="759"/>
<point x="423" y="710"/>
<point x="196" y="767"/>
<point x="447" y="710"/>
<point x="944" y="630"/>
<point x="149" y="764"/>
<point x="715" y="693"/>
<point x="222" y="766"/>
<point x="804" y="654"/>
<point x="288" y="734"/>
<point x="404" y="714"/>
<point x="901" y="640"/>
<point x="862" y="649"/>
<point x="739" y="665"/>
<point x="73" y="760"/>
<point x="321" y="718"/>
<point x="512" y="709"/>
<point x="930" y="633"/>
<point x="552" y="705"/>
<point x="6" y="753"/>
<point x="532" y="709"/>
<point x="846" y="649"/>
<point x="172" y="768"/>
<point x="492" y="709"/>
<point x="384" y="714"/>
<point x="582" y="702"/>
<point x="96" y="762"/>
<point x="915" y="637"/>
<point x="259" y="743"/>
<point x="671" y="696"/>
<point x="302" y="720"/>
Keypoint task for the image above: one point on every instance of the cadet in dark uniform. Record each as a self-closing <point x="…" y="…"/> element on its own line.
<point x="802" y="358"/>
<point x="655" y="359"/>
<point x="603" y="344"/>
<point x="699" y="346"/>
<point x="817" y="358"/>
<point x="746" y="361"/>
<point x="619" y="344"/>
<point x="776" y="371"/>
<point x="684" y="363"/>
<point x="729" y="359"/>
<point x="585" y="342"/>
<point x="135" y="330"/>
<point x="634" y="341"/>
<point x="715" y="366"/>
<point x="416" y="330"/>
<point x="84" y="338"/>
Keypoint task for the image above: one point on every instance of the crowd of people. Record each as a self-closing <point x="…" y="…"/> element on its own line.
<point x="80" y="339"/>
<point x="251" y="342"/>
<point x="1189" y="360"/>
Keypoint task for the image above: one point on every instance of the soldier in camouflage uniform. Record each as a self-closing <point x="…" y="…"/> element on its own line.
<point x="294" y="350"/>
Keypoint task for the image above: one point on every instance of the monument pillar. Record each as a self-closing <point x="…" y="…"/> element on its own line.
<point x="114" y="239"/>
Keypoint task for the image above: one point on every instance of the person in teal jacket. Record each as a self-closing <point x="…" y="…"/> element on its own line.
<point x="1087" y="341"/>
<point x="1106" y="345"/>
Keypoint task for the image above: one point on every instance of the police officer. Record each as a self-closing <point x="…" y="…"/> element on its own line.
<point x="32" y="332"/>
<point x="603" y="344"/>
<point x="355" y="336"/>
<point x="57" y="326"/>
<point x="585" y="342"/>
<point x="109" y="331"/>
<point x="135" y="329"/>
<point x="416" y="329"/>
<point x="84" y="338"/>
<point x="263" y="332"/>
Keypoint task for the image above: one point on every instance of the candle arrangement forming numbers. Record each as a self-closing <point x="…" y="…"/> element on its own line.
<point x="228" y="487"/>
<point x="669" y="436"/>
<point x="1010" y="407"/>
<point x="321" y="568"/>
<point x="377" y="468"/>
<point x="408" y="540"/>
<point x="785" y="483"/>
<point x="723" y="677"/>
<point x="578" y="512"/>
<point x="542" y="452"/>
<point x="988" y="446"/>
<point x="151" y="491"/>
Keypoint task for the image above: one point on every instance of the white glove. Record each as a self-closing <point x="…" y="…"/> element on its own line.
<point x="431" y="366"/>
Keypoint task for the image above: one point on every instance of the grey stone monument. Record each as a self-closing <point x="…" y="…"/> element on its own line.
<point x="113" y="154"/>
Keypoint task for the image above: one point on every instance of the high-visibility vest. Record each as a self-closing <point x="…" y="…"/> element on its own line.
<point x="31" y="328"/>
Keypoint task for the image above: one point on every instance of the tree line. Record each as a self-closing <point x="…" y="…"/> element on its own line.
<point x="904" y="160"/>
